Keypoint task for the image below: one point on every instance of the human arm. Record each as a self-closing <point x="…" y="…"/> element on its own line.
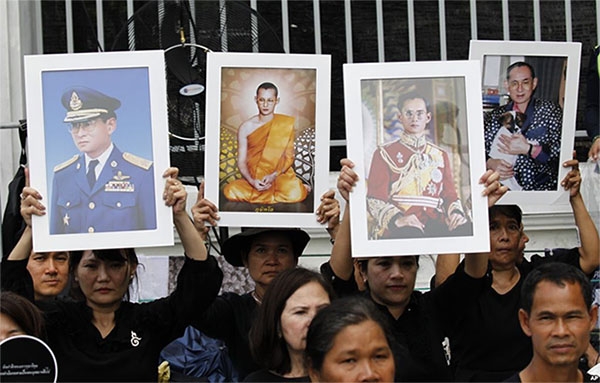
<point x="204" y="211"/>
<point x="455" y="214"/>
<point x="175" y="196"/>
<point x="513" y="144"/>
<point x="476" y="263"/>
<point x="445" y="265"/>
<point x="329" y="212"/>
<point x="588" y="234"/>
<point x="518" y="144"/>
<point x="14" y="275"/>
<point x="592" y="113"/>
<point x="384" y="212"/>
<point x="24" y="246"/>
<point x="242" y="159"/>
<point x="30" y="205"/>
<point x="341" y="253"/>
<point x="199" y="280"/>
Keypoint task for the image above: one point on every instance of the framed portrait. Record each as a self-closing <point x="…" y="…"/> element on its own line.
<point x="529" y="92"/>
<point x="98" y="145"/>
<point x="415" y="135"/>
<point x="267" y="137"/>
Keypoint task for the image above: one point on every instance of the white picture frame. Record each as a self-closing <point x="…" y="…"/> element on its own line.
<point x="303" y="83"/>
<point x="495" y="57"/>
<point x="137" y="80"/>
<point x="372" y="92"/>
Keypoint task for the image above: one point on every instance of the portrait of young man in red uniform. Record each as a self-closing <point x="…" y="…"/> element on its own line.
<point x="410" y="188"/>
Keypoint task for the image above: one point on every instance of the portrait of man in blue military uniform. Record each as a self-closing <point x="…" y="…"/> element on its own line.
<point x="101" y="189"/>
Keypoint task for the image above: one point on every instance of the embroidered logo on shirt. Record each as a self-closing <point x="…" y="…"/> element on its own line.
<point x="135" y="340"/>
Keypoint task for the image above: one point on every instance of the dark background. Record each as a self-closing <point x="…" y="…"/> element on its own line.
<point x="364" y="30"/>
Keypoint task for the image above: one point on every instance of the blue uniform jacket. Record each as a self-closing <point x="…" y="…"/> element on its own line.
<point x="122" y="198"/>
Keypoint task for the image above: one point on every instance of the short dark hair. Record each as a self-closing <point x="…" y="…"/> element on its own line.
<point x="112" y="255"/>
<point x="330" y="321"/>
<point x="558" y="273"/>
<point x="412" y="96"/>
<point x="519" y="64"/>
<point x="23" y="312"/>
<point x="510" y="211"/>
<point x="266" y="86"/>
<point x="267" y="346"/>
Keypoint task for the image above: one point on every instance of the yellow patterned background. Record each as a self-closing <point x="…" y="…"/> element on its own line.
<point x="297" y="93"/>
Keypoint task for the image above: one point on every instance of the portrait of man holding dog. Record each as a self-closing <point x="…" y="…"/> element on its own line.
<point x="523" y="137"/>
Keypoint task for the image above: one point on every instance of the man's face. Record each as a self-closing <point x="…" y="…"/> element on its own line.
<point x="391" y="279"/>
<point x="266" y="100"/>
<point x="50" y="273"/>
<point x="520" y="85"/>
<point x="559" y="323"/>
<point x="505" y="241"/>
<point x="414" y="116"/>
<point x="270" y="253"/>
<point x="93" y="136"/>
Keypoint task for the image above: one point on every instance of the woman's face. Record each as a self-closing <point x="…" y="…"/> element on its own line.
<point x="360" y="353"/>
<point x="270" y="253"/>
<point x="299" y="310"/>
<point x="391" y="279"/>
<point x="104" y="283"/>
<point x="8" y="327"/>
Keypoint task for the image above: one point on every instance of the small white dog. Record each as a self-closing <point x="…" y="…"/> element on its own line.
<point x="511" y="122"/>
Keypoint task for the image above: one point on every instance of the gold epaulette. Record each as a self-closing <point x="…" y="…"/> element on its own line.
<point x="434" y="146"/>
<point x="66" y="163"/>
<point x="137" y="161"/>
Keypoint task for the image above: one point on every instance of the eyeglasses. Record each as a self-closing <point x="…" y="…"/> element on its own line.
<point x="525" y="84"/>
<point x="87" y="126"/>
<point x="268" y="101"/>
<point x="410" y="114"/>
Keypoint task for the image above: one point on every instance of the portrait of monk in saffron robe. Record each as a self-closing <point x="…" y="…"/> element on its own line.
<point x="266" y="156"/>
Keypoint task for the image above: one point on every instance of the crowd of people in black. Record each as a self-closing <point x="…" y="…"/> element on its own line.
<point x="356" y="320"/>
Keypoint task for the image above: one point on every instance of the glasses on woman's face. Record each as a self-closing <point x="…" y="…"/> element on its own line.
<point x="410" y="114"/>
<point x="87" y="126"/>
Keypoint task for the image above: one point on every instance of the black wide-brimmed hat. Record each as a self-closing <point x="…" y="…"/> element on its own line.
<point x="233" y="246"/>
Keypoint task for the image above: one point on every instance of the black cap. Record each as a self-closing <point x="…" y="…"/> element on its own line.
<point x="84" y="103"/>
<point x="233" y="246"/>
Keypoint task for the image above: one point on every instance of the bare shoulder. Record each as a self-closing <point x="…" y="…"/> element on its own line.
<point x="248" y="126"/>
